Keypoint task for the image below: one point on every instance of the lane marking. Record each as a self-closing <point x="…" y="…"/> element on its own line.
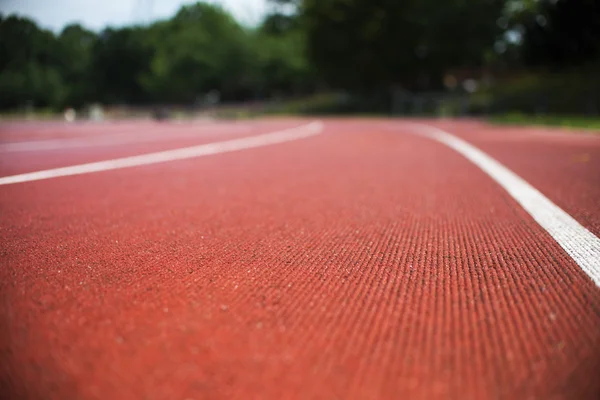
<point x="282" y="136"/>
<point x="581" y="244"/>
<point x="114" y="139"/>
<point x="58" y="130"/>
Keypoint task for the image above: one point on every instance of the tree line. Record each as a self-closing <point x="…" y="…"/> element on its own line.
<point x="201" y="49"/>
<point x="301" y="46"/>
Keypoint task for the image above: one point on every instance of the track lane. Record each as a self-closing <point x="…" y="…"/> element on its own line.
<point x="37" y="131"/>
<point x="581" y="244"/>
<point x="564" y="166"/>
<point x="14" y="132"/>
<point x="356" y="264"/>
<point x="115" y="143"/>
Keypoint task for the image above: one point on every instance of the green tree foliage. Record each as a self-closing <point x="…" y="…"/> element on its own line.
<point x="75" y="55"/>
<point x="200" y="50"/>
<point x="283" y="55"/>
<point x="29" y="65"/>
<point x="363" y="46"/>
<point x="119" y="58"/>
<point x="378" y="43"/>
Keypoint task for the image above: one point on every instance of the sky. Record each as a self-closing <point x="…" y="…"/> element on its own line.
<point x="97" y="14"/>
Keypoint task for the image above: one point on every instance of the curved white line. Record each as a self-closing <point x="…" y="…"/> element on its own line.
<point x="266" y="139"/>
<point x="114" y="139"/>
<point x="582" y="245"/>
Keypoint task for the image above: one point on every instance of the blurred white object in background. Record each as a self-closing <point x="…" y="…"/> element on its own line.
<point x="96" y="112"/>
<point x="470" y="85"/>
<point x="70" y="115"/>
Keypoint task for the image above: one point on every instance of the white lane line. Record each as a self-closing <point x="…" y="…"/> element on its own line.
<point x="582" y="245"/>
<point x="287" y="135"/>
<point x="114" y="139"/>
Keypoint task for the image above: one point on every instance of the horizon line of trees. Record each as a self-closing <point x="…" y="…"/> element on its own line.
<point x="301" y="47"/>
<point x="201" y="49"/>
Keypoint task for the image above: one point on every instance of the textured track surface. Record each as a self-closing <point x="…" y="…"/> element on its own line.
<point x="565" y="167"/>
<point x="366" y="262"/>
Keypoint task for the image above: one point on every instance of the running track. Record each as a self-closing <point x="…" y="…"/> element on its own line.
<point x="343" y="259"/>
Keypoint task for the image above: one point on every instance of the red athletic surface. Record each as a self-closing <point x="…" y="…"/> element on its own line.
<point x="564" y="166"/>
<point x="366" y="262"/>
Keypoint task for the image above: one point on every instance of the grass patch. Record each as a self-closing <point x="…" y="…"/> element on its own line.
<point x="574" y="122"/>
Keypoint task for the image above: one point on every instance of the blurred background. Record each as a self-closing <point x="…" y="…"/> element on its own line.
<point x="508" y="60"/>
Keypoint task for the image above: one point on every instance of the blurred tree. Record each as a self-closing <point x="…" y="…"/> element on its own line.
<point x="76" y="45"/>
<point x="29" y="65"/>
<point x="284" y="61"/>
<point x="119" y="58"/>
<point x="560" y="33"/>
<point x="362" y="45"/>
<point x="377" y="43"/>
<point x="279" y="24"/>
<point x="284" y="68"/>
<point x="201" y="49"/>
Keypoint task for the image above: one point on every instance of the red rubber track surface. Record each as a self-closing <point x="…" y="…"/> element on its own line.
<point x="108" y="141"/>
<point x="360" y="263"/>
<point x="563" y="165"/>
